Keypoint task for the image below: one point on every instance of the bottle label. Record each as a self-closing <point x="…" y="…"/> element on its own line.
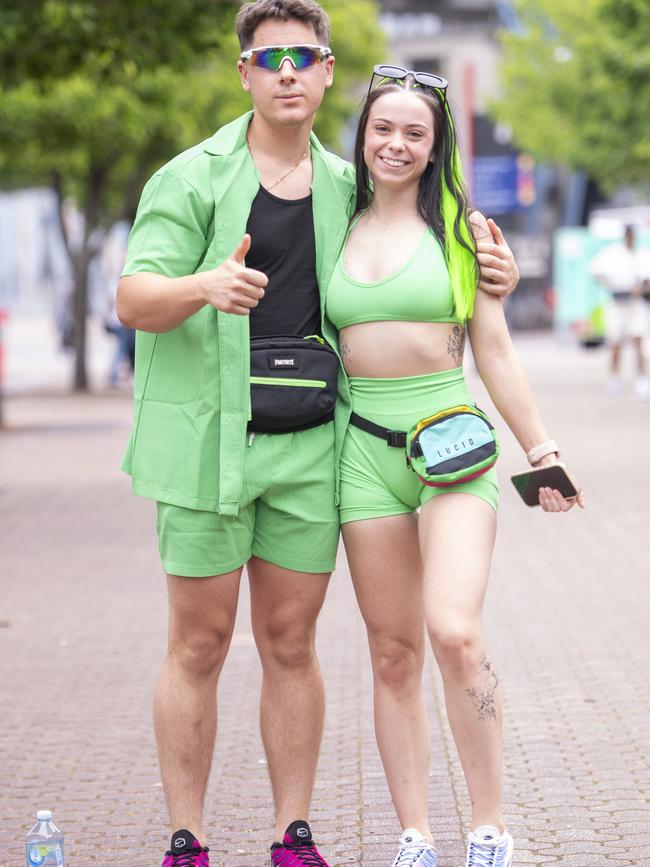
<point x="45" y="854"/>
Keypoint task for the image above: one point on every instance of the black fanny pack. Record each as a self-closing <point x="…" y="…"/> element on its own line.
<point x="294" y="383"/>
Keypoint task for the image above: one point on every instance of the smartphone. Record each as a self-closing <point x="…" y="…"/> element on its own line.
<point x="552" y="476"/>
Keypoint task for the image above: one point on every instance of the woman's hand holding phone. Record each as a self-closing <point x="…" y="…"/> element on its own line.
<point x="550" y="486"/>
<point x="552" y="501"/>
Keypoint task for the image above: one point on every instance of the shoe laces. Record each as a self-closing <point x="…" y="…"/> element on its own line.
<point x="196" y="858"/>
<point x="307" y="853"/>
<point x="408" y="855"/>
<point x="482" y="855"/>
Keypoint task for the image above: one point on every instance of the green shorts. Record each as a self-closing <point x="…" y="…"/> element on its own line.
<point x="375" y="481"/>
<point x="287" y="514"/>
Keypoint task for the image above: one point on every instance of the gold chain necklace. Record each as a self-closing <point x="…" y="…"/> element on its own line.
<point x="291" y="170"/>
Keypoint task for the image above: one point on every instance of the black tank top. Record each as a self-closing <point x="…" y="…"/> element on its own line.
<point x="283" y="247"/>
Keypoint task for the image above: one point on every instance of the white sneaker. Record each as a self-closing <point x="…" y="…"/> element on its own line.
<point x="642" y="388"/>
<point x="415" y="851"/>
<point x="487" y="848"/>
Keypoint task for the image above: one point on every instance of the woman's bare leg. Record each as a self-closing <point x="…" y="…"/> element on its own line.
<point x="457" y="534"/>
<point x="386" y="571"/>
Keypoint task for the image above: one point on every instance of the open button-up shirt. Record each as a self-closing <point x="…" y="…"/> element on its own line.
<point x="192" y="389"/>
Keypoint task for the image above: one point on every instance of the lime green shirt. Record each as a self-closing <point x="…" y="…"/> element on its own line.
<point x="192" y="389"/>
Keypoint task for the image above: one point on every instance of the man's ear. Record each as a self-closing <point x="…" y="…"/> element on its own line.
<point x="329" y="71"/>
<point x="243" y="74"/>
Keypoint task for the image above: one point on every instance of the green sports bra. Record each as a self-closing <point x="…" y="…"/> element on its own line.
<point x="418" y="292"/>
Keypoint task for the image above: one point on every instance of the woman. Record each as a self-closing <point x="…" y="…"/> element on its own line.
<point x="403" y="296"/>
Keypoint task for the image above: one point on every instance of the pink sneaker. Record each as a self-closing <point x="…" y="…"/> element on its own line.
<point x="297" y="849"/>
<point x="186" y="851"/>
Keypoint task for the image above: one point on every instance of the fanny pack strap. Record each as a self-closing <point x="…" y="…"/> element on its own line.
<point x="394" y="438"/>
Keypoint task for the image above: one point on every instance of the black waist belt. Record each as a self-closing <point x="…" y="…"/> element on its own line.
<point x="394" y="438"/>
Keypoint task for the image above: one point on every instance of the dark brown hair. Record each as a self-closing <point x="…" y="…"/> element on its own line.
<point x="252" y="14"/>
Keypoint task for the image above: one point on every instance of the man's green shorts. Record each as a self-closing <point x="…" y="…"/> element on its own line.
<point x="287" y="514"/>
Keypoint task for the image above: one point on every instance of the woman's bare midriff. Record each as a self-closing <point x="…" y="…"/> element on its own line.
<point x="393" y="349"/>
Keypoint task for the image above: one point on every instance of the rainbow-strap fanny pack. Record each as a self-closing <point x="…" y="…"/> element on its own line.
<point x="453" y="446"/>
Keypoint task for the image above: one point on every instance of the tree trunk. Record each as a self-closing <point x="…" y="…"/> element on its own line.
<point x="80" y="261"/>
<point x="3" y="321"/>
<point x="80" y="317"/>
<point x="94" y="190"/>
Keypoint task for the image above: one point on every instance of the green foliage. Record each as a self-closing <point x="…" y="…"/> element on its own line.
<point x="104" y="93"/>
<point x="576" y="86"/>
<point x="96" y="95"/>
<point x="45" y="39"/>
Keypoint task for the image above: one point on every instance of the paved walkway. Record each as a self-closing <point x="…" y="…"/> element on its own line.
<point x="82" y="628"/>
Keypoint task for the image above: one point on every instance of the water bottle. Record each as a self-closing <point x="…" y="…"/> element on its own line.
<point x="44" y="843"/>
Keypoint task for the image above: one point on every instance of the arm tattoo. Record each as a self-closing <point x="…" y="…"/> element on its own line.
<point x="456" y="344"/>
<point x="344" y="350"/>
<point x="482" y="697"/>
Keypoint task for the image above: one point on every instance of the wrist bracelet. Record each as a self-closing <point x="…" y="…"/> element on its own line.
<point x="541" y="451"/>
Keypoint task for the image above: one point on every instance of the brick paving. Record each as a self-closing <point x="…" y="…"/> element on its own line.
<point x="82" y="630"/>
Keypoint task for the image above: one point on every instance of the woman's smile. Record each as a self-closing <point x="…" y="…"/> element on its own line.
<point x="394" y="162"/>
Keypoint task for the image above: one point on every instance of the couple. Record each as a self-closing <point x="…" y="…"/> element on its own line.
<point x="246" y="236"/>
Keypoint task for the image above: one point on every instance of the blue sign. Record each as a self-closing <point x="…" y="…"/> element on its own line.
<point x="502" y="184"/>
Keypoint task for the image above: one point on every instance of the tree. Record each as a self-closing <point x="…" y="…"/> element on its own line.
<point x="576" y="84"/>
<point x="95" y="96"/>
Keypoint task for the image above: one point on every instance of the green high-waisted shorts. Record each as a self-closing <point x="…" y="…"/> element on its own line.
<point x="375" y="481"/>
<point x="287" y="515"/>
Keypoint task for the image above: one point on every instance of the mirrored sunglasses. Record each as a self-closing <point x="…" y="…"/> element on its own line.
<point x="386" y="74"/>
<point x="272" y="56"/>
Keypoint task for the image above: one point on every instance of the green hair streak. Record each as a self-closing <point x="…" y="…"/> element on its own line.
<point x="461" y="262"/>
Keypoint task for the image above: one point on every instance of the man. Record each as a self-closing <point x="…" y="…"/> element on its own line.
<point x="262" y="189"/>
<point x="624" y="270"/>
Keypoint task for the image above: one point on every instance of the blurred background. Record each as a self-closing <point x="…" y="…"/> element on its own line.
<point x="551" y="99"/>
<point x="95" y="97"/>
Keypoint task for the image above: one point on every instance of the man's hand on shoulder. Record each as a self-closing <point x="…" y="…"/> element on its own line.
<point x="499" y="272"/>
<point x="232" y="287"/>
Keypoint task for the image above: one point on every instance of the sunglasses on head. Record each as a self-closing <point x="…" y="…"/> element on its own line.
<point x="384" y="74"/>
<point x="272" y="56"/>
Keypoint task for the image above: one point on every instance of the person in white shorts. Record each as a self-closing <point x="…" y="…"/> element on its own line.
<point x="624" y="269"/>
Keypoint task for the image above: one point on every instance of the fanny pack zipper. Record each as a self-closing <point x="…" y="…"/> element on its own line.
<point x="296" y="383"/>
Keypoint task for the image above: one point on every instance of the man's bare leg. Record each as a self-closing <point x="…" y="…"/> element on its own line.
<point x="284" y="608"/>
<point x="201" y="620"/>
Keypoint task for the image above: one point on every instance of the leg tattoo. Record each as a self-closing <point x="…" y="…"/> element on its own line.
<point x="482" y="697"/>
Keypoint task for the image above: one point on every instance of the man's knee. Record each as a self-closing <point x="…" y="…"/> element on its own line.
<point x="290" y="645"/>
<point x="284" y="621"/>
<point x="201" y="652"/>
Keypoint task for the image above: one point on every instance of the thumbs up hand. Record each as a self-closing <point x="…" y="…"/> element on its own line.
<point x="232" y="287"/>
<point x="239" y="254"/>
